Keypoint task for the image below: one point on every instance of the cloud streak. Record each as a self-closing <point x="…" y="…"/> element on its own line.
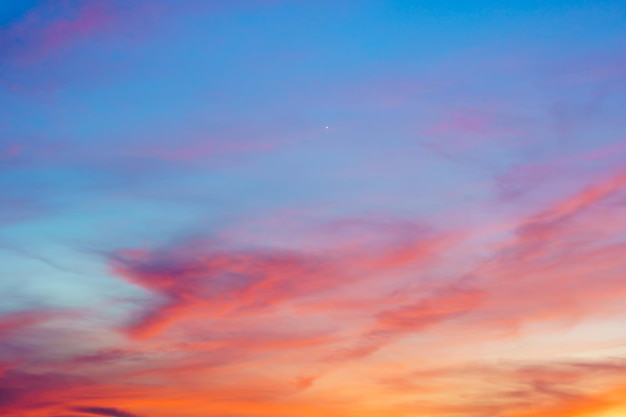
<point x="104" y="411"/>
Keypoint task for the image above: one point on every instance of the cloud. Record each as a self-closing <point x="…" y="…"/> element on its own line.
<point x="561" y="265"/>
<point x="545" y="258"/>
<point x="16" y="320"/>
<point x="446" y="304"/>
<point x="23" y="390"/>
<point x="211" y="310"/>
<point x="198" y="279"/>
<point x="52" y="26"/>
<point x="104" y="411"/>
<point x="519" y="389"/>
<point x="186" y="279"/>
<point x="580" y="91"/>
<point x="465" y="130"/>
<point x="214" y="312"/>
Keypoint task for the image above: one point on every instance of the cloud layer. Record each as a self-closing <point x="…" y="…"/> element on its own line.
<point x="271" y="208"/>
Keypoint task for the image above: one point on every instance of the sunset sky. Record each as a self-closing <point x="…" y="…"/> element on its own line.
<point x="312" y="208"/>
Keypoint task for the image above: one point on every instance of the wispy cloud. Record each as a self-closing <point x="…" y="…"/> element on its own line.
<point x="104" y="411"/>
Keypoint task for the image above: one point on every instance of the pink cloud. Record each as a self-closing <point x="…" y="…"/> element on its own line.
<point x="12" y="321"/>
<point x="53" y="26"/>
<point x="553" y="258"/>
<point x="13" y="151"/>
<point x="199" y="279"/>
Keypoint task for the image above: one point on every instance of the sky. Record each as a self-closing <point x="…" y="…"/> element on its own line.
<point x="293" y="208"/>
